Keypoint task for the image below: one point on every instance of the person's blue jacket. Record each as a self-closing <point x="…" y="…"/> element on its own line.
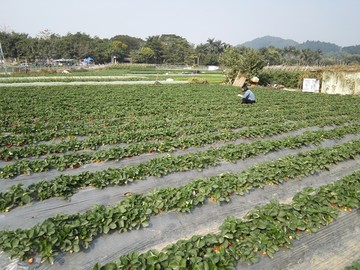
<point x="249" y="95"/>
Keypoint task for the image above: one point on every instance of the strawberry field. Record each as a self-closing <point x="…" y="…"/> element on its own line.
<point x="177" y="177"/>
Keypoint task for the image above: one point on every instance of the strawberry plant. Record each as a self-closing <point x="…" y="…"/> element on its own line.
<point x="134" y="211"/>
<point x="66" y="186"/>
<point x="64" y="128"/>
<point x="263" y="231"/>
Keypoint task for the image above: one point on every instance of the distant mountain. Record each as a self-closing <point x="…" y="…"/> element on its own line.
<point x="268" y="41"/>
<point x="352" y="49"/>
<point x="326" y="47"/>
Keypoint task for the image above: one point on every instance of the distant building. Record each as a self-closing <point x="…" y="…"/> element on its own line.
<point x="88" y="61"/>
<point x="63" y="62"/>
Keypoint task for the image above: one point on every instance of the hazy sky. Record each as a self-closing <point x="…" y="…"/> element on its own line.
<point x="231" y="21"/>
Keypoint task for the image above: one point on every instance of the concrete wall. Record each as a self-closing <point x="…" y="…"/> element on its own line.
<point x="343" y="83"/>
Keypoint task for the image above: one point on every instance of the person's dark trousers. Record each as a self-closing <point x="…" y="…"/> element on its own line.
<point x="247" y="101"/>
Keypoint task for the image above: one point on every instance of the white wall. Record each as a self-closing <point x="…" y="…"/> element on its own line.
<point x="343" y="83"/>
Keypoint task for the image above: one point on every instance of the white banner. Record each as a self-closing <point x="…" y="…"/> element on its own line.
<point x="311" y="85"/>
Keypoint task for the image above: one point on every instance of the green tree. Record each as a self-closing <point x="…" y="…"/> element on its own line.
<point x="201" y="52"/>
<point x="232" y="60"/>
<point x="171" y="49"/>
<point x="245" y="61"/>
<point x="23" y="50"/>
<point x="155" y="43"/>
<point x="118" y="49"/>
<point x="9" y="43"/>
<point x="209" y="53"/>
<point x="272" y="55"/>
<point x="46" y="46"/>
<point x="76" y="46"/>
<point x="102" y="50"/>
<point x="351" y="59"/>
<point x="144" y="55"/>
<point x="291" y="55"/>
<point x="132" y="43"/>
<point x="177" y="50"/>
<point x="309" y="57"/>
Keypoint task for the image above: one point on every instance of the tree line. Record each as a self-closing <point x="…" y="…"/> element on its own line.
<point x="158" y="49"/>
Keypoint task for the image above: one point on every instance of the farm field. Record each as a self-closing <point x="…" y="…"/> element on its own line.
<point x="116" y="75"/>
<point x="177" y="177"/>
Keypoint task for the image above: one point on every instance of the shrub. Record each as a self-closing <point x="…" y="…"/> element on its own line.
<point x="198" y="81"/>
<point x="292" y="79"/>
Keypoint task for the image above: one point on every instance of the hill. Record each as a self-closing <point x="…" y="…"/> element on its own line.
<point x="352" y="49"/>
<point x="277" y="42"/>
<point x="325" y="47"/>
<point x="268" y="41"/>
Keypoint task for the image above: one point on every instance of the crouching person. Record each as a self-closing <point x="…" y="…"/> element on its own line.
<point x="248" y="96"/>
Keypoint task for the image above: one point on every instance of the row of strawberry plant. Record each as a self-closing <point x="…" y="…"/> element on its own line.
<point x="11" y="151"/>
<point x="188" y="125"/>
<point x="74" y="160"/>
<point x="88" y="122"/>
<point x="137" y="132"/>
<point x="103" y="96"/>
<point x="71" y="103"/>
<point x="113" y="137"/>
<point x="78" y="79"/>
<point x="66" y="185"/>
<point x="116" y="153"/>
<point x="263" y="231"/>
<point x="317" y="113"/>
<point x="71" y="233"/>
<point x="74" y="97"/>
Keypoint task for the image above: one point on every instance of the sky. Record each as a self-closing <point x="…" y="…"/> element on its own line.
<point x="231" y="21"/>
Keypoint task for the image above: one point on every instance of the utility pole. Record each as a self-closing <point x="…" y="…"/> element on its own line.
<point x="2" y="58"/>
